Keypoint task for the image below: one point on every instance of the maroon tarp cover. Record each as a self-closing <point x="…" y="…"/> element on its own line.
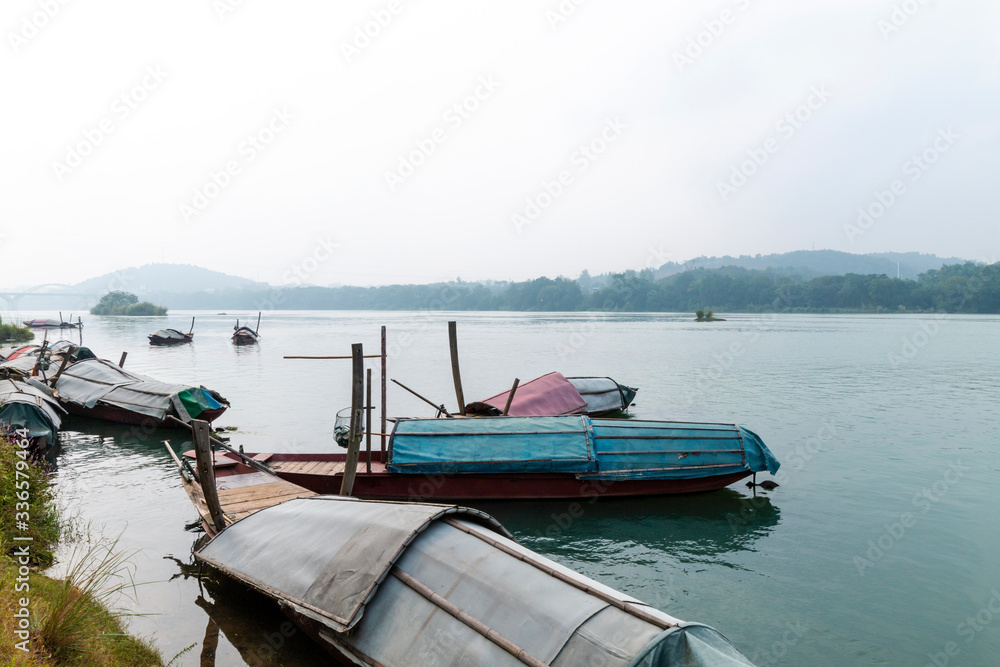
<point x="548" y="396"/>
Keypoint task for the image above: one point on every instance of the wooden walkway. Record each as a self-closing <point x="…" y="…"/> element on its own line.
<point x="310" y="467"/>
<point x="242" y="495"/>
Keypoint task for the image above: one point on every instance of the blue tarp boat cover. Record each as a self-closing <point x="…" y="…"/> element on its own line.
<point x="403" y="584"/>
<point x="492" y="444"/>
<point x="602" y="449"/>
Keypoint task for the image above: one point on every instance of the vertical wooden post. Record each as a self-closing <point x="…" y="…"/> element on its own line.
<point x="456" y="374"/>
<point x="382" y="430"/>
<point x="206" y="471"/>
<point x="357" y="403"/>
<point x="510" y="396"/>
<point x="121" y="362"/>
<point x="368" y="421"/>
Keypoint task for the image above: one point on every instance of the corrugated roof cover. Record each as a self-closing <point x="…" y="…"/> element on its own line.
<point x="548" y="395"/>
<point x="636" y="449"/>
<point x="492" y="445"/>
<point x="326" y="553"/>
<point x="28" y="407"/>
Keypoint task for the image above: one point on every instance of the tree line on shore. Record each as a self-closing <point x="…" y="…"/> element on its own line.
<point x="956" y="288"/>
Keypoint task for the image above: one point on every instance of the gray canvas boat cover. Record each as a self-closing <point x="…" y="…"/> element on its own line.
<point x="602" y="395"/>
<point x="28" y="407"/>
<point x="91" y="380"/>
<point x="358" y="568"/>
<point x="344" y="548"/>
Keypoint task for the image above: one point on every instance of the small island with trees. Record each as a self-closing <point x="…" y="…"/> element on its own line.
<point x="707" y="316"/>
<point x="14" y="333"/>
<point x="119" y="302"/>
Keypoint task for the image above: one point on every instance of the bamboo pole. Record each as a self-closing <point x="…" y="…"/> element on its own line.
<point x="455" y="372"/>
<point x="366" y="356"/>
<point x="510" y="397"/>
<point x="382" y="405"/>
<point x="121" y="362"/>
<point x="206" y="472"/>
<point x="354" y="443"/>
<point x="368" y="421"/>
<point x="439" y="408"/>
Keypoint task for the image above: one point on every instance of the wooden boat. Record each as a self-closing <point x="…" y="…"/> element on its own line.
<point x="172" y="336"/>
<point x="99" y="389"/>
<point x="55" y="324"/>
<point x="30" y="409"/>
<point x="245" y="335"/>
<point x="401" y="584"/>
<point x="508" y="458"/>
<point x="554" y="394"/>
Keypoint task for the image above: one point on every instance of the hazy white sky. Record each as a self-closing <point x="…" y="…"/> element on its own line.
<point x="378" y="142"/>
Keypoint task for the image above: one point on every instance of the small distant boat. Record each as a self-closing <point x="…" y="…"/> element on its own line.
<point x="400" y="584"/>
<point x="554" y="394"/>
<point x="245" y="335"/>
<point x="29" y="407"/>
<point x="172" y="336"/>
<point x="55" y="324"/>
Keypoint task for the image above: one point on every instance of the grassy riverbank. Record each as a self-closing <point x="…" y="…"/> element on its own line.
<point x="55" y="622"/>
<point x="14" y="333"/>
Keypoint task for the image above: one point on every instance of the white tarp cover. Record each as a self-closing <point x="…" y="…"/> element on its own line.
<point x="601" y="394"/>
<point x="331" y="556"/>
<point x="92" y="380"/>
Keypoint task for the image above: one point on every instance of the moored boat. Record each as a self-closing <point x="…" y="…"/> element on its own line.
<point x="100" y="389"/>
<point x="506" y="458"/>
<point x="29" y="408"/>
<point x="394" y="584"/>
<point x="554" y="394"/>
<point x="244" y="335"/>
<point x="172" y="336"/>
<point x="54" y="324"/>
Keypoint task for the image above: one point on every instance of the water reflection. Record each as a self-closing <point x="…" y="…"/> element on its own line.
<point x="689" y="528"/>
<point x="250" y="623"/>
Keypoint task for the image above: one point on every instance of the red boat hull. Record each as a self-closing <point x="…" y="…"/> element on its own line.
<point x="115" y="414"/>
<point x="380" y="484"/>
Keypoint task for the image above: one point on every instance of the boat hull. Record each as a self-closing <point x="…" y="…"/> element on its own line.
<point x="157" y="340"/>
<point x="113" y="413"/>
<point x="383" y="485"/>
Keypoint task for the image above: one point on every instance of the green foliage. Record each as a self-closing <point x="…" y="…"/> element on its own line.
<point x="958" y="288"/>
<point x="700" y="314"/>
<point x="14" y="333"/>
<point x="125" y="303"/>
<point x="24" y="480"/>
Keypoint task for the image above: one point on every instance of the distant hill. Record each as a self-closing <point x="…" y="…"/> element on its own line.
<point x="161" y="278"/>
<point x="808" y="264"/>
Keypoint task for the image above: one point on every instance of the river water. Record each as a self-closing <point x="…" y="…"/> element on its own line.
<point x="880" y="546"/>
